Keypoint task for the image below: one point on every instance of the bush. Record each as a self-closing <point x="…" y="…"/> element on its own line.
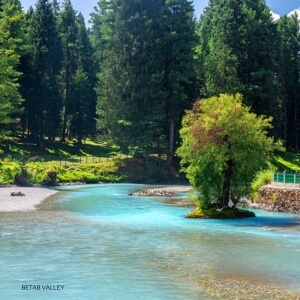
<point x="8" y="171"/>
<point x="262" y="178"/>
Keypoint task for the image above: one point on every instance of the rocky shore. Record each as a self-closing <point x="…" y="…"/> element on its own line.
<point x="274" y="197"/>
<point x="169" y="191"/>
<point x="279" y="198"/>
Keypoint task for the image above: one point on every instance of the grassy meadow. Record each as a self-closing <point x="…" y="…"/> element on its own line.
<point x="99" y="161"/>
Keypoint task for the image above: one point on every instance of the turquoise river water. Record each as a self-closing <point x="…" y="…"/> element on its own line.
<point x="97" y="242"/>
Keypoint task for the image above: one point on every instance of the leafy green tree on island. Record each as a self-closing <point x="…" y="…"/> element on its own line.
<point x="224" y="146"/>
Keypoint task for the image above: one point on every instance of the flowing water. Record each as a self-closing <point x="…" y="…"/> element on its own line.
<point x="100" y="243"/>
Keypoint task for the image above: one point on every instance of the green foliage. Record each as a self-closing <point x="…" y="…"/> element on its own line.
<point x="88" y="171"/>
<point x="77" y="75"/>
<point x="262" y="178"/>
<point x="237" y="53"/>
<point x="8" y="171"/>
<point x="289" y="76"/>
<point x="130" y="105"/>
<point x="10" y="98"/>
<point x="147" y="70"/>
<point x="37" y="173"/>
<point x="144" y="54"/>
<point x="43" y="98"/>
<point x="224" y="146"/>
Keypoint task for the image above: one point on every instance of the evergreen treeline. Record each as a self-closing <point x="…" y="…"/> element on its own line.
<point x="130" y="76"/>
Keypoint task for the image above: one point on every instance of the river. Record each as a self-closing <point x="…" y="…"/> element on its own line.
<point x="97" y="242"/>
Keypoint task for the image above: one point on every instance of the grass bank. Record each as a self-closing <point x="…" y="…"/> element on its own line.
<point x="95" y="162"/>
<point x="101" y="162"/>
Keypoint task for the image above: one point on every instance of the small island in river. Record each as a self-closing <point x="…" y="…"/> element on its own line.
<point x="211" y="211"/>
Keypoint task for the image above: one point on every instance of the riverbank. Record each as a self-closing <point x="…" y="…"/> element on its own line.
<point x="23" y="199"/>
<point x="279" y="198"/>
<point x="274" y="197"/>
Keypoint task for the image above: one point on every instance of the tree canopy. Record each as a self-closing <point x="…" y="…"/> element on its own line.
<point x="139" y="66"/>
<point x="146" y="70"/>
<point x="11" y="18"/>
<point x="224" y="146"/>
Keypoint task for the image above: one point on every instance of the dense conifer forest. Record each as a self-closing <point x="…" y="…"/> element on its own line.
<point x="129" y="76"/>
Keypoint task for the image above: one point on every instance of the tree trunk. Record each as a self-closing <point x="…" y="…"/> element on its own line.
<point x="227" y="177"/>
<point x="296" y="127"/>
<point x="227" y="183"/>
<point x="285" y="120"/>
<point x="171" y="143"/>
<point x="64" y="127"/>
<point x="66" y="102"/>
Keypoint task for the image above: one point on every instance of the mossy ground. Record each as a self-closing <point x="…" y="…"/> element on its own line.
<point x="214" y="212"/>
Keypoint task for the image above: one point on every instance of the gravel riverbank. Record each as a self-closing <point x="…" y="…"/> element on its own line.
<point x="22" y="199"/>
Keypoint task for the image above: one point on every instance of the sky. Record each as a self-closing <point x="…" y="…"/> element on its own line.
<point x="280" y="7"/>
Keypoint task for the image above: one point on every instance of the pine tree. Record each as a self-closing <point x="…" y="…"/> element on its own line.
<point x="147" y="73"/>
<point x="81" y="116"/>
<point x="130" y="95"/>
<point x="220" y="38"/>
<point x="180" y="76"/>
<point x="44" y="101"/>
<point x="82" y="108"/>
<point x="68" y="33"/>
<point x="11" y="18"/>
<point x="289" y="77"/>
<point x="258" y="67"/>
<point x="237" y="53"/>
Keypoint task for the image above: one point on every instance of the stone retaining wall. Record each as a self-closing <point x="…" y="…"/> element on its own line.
<point x="281" y="199"/>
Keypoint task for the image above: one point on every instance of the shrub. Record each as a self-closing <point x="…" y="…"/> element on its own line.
<point x="262" y="178"/>
<point x="8" y="171"/>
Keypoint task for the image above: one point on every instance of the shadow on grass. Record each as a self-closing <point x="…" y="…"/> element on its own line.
<point x="288" y="160"/>
<point x="65" y="150"/>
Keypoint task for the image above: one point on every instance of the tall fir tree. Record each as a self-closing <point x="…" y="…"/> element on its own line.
<point x="147" y="73"/>
<point x="180" y="74"/>
<point x="289" y="77"/>
<point x="68" y="33"/>
<point x="82" y="89"/>
<point x="11" y="45"/>
<point x="237" y="53"/>
<point x="220" y="30"/>
<point x="258" y="66"/>
<point x="130" y="94"/>
<point x="44" y="102"/>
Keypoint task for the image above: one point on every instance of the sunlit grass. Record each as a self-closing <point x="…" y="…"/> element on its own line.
<point x="287" y="161"/>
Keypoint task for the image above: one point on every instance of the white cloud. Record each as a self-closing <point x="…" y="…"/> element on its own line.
<point x="297" y="11"/>
<point x="275" y="16"/>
